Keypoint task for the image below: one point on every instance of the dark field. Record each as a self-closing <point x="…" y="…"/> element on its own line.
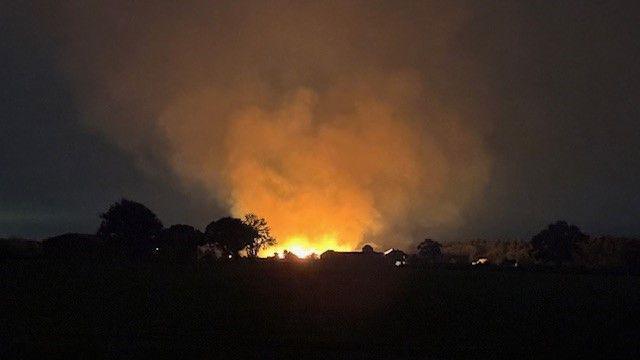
<point x="307" y="310"/>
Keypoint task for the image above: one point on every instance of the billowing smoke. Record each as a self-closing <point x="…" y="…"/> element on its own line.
<point x="333" y="121"/>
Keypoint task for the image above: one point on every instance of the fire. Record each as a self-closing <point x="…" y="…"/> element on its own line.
<point x="303" y="246"/>
<point x="327" y="168"/>
<point x="334" y="145"/>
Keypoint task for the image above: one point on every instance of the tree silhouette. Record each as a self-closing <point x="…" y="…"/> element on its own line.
<point x="179" y="243"/>
<point x="557" y="243"/>
<point x="264" y="238"/>
<point x="231" y="235"/>
<point x="129" y="226"/>
<point x="289" y="256"/>
<point x="430" y="250"/>
<point x="183" y="234"/>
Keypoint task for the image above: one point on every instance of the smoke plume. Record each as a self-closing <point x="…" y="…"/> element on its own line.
<point x="334" y="121"/>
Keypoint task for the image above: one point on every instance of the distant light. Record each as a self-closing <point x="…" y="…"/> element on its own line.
<point x="157" y="249"/>
<point x="481" y="261"/>
<point x="398" y="263"/>
<point x="230" y="256"/>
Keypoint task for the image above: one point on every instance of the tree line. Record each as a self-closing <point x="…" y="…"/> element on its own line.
<point x="560" y="244"/>
<point x="130" y="230"/>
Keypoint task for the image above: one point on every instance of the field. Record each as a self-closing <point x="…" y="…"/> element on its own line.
<point x="274" y="309"/>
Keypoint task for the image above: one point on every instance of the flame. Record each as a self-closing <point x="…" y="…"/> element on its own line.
<point x="303" y="246"/>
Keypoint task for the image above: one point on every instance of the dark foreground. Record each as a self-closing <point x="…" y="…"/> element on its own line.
<point x="258" y="310"/>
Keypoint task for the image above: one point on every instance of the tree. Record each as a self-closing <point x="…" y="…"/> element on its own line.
<point x="264" y="238"/>
<point x="231" y="235"/>
<point x="429" y="249"/>
<point x="557" y="243"/>
<point x="130" y="226"/>
<point x="289" y="256"/>
<point x="179" y="243"/>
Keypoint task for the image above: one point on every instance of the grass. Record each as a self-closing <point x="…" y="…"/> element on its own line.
<point x="266" y="309"/>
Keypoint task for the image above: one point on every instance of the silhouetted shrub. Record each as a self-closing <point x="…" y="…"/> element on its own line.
<point x="16" y="248"/>
<point x="557" y="243"/>
<point x="178" y="243"/>
<point x="430" y="251"/>
<point x="72" y="246"/>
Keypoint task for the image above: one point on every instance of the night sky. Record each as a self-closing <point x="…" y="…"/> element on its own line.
<point x="553" y="91"/>
<point x="56" y="176"/>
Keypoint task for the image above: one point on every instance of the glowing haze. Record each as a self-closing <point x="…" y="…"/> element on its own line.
<point x="331" y="121"/>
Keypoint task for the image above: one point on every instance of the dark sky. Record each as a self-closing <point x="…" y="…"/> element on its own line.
<point x="55" y="176"/>
<point x="558" y="87"/>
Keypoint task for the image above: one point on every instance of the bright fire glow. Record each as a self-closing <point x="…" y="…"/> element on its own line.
<point x="302" y="246"/>
<point x="332" y="152"/>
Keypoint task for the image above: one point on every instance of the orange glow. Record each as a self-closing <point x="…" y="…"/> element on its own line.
<point x="302" y="246"/>
<point x="335" y="145"/>
<point x="330" y="169"/>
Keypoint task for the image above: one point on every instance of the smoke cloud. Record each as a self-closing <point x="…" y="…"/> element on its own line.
<point x="334" y="121"/>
